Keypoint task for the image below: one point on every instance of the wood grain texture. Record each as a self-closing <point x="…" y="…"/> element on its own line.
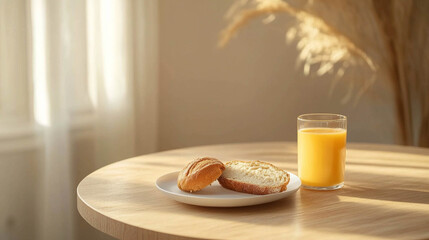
<point x="386" y="196"/>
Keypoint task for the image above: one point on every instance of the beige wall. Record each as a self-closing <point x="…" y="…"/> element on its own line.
<point x="250" y="90"/>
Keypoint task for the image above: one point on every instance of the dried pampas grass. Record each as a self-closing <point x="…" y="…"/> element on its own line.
<point x="388" y="37"/>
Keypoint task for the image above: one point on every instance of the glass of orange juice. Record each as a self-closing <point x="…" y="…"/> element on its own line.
<point x="322" y="150"/>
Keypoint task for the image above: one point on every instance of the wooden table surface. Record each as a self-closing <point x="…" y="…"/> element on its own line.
<point x="386" y="196"/>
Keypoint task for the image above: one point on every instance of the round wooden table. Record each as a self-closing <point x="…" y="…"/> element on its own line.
<point x="386" y="195"/>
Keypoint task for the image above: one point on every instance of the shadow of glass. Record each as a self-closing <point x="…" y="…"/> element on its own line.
<point x="388" y="148"/>
<point x="387" y="165"/>
<point x="386" y="194"/>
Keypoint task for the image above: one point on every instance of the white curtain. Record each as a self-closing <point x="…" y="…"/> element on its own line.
<point x="81" y="75"/>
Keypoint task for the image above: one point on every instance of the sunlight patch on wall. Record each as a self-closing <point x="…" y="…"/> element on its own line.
<point x="113" y="50"/>
<point x="39" y="61"/>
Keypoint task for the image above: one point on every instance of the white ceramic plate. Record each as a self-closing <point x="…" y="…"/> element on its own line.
<point x="217" y="196"/>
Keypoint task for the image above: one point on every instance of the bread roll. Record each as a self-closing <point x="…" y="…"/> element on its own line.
<point x="254" y="177"/>
<point x="199" y="174"/>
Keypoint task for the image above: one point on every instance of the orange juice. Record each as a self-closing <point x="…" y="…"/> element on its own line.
<point x="321" y="156"/>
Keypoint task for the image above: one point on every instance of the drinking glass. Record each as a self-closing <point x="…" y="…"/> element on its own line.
<point x="322" y="150"/>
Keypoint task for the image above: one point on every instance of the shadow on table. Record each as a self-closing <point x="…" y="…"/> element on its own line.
<point x="389" y="148"/>
<point x="387" y="194"/>
<point x="387" y="165"/>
